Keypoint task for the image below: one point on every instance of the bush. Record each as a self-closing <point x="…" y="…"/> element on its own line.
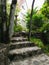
<point x="17" y="28"/>
<point x="46" y="31"/>
<point x="37" y="21"/>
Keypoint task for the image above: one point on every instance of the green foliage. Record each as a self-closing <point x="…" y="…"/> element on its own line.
<point x="40" y="22"/>
<point x="40" y="18"/>
<point x="17" y="28"/>
<point x="40" y="44"/>
<point x="37" y="41"/>
<point x="37" y="21"/>
<point x="45" y="9"/>
<point x="45" y="29"/>
<point x="46" y="49"/>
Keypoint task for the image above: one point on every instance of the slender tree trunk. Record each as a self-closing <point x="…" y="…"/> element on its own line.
<point x="3" y="21"/>
<point x="0" y="20"/>
<point x="30" y="26"/>
<point x="11" y="18"/>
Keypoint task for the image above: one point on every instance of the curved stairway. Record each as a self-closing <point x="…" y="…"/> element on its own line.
<point x="21" y="48"/>
<point x="22" y="52"/>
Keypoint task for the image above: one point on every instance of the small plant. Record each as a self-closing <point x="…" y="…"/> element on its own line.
<point x="18" y="28"/>
<point x="39" y="43"/>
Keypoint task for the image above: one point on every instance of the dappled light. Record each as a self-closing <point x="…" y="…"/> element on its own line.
<point x="24" y="32"/>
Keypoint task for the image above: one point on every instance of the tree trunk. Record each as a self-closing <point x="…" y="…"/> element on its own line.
<point x="11" y="18"/>
<point x="30" y="26"/>
<point x="3" y="20"/>
<point x="0" y="20"/>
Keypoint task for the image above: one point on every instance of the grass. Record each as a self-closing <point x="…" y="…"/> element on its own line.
<point x="39" y="43"/>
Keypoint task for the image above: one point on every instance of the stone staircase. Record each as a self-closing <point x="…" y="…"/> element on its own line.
<point x="21" y="48"/>
<point x="22" y="52"/>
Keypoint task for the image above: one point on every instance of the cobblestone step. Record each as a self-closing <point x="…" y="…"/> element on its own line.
<point x="18" y="39"/>
<point x="16" y="34"/>
<point x="21" y="44"/>
<point x="24" y="52"/>
<point x="41" y="59"/>
<point x="22" y="33"/>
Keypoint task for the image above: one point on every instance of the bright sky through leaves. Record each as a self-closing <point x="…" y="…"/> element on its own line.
<point x="38" y="3"/>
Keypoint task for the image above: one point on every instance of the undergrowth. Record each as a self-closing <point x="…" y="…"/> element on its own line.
<point x="39" y="43"/>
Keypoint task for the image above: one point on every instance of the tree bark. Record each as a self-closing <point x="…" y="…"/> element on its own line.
<point x="30" y="26"/>
<point x="0" y="20"/>
<point x="3" y="21"/>
<point x="11" y="18"/>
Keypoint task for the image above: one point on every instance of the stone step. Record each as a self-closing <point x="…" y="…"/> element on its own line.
<point x="18" y="39"/>
<point x="21" y="44"/>
<point x="24" y="52"/>
<point x="41" y="59"/>
<point x="22" y="33"/>
<point x="3" y="45"/>
<point x="16" y="34"/>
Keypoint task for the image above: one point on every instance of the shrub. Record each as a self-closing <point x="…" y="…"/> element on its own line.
<point x="17" y="28"/>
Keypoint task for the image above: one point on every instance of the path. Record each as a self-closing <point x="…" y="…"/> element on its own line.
<point x="21" y="48"/>
<point x="41" y="59"/>
<point x="24" y="52"/>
